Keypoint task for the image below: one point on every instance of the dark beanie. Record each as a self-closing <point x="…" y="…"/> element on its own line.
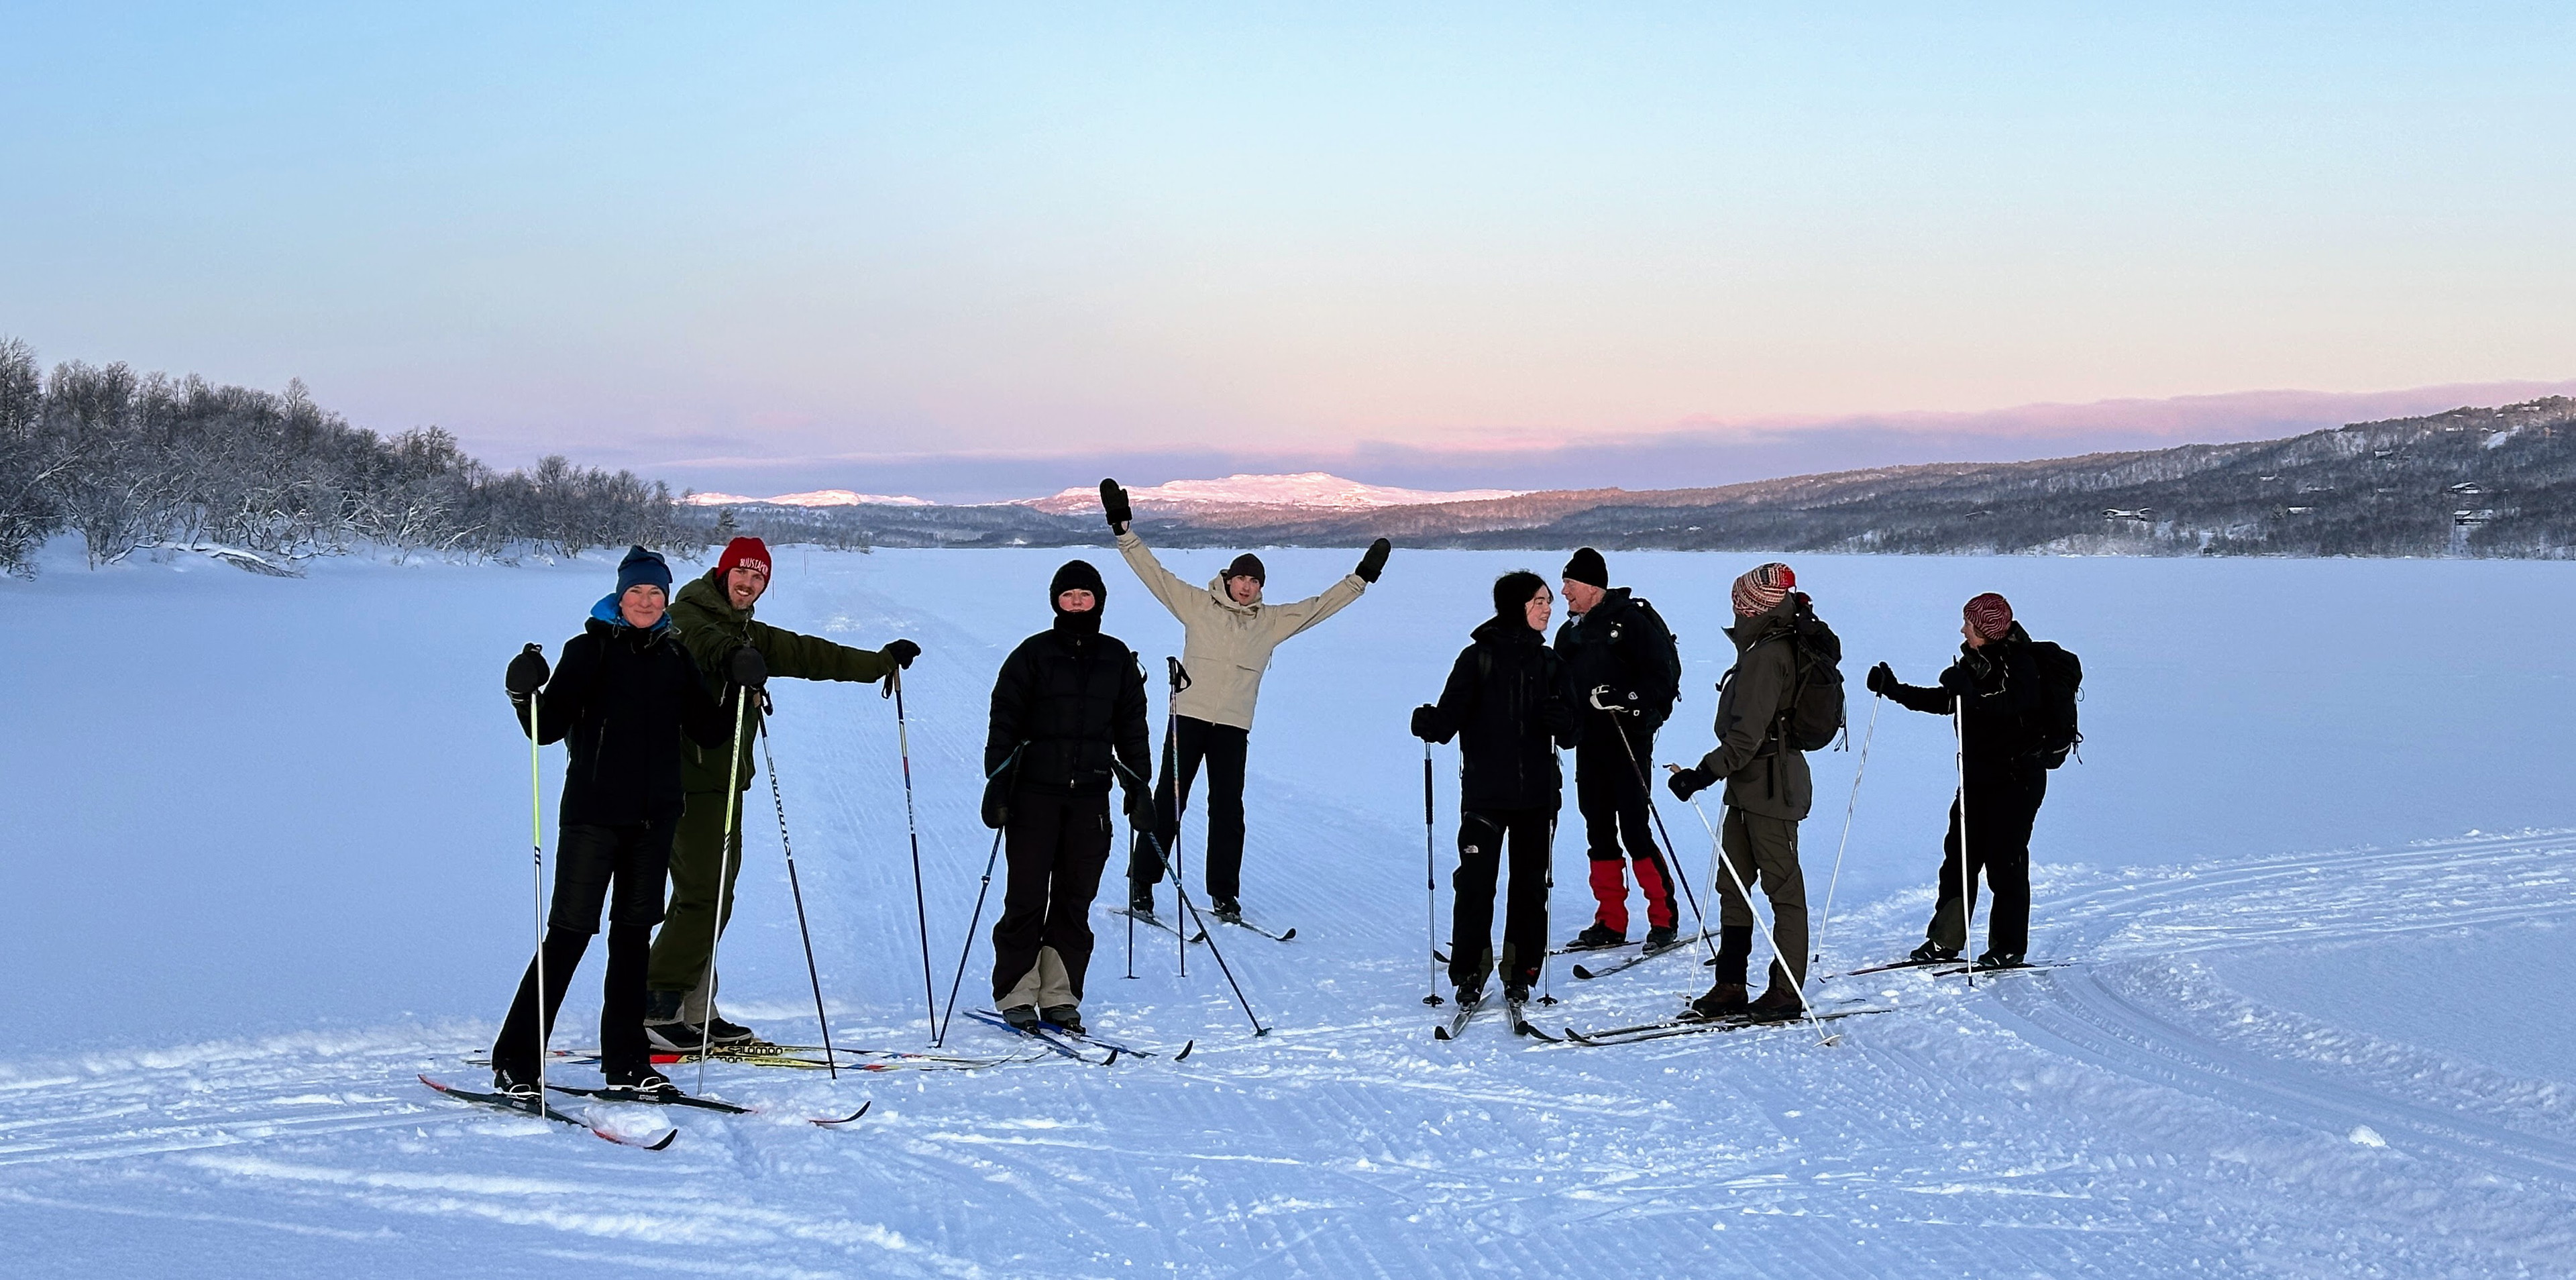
<point x="1513" y="590"/>
<point x="642" y="568"/>
<point x="1078" y="575"/>
<point x="1248" y="565"/>
<point x="1588" y="567"/>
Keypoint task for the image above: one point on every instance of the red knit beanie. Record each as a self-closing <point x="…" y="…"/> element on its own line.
<point x="1762" y="588"/>
<point x="1991" y="615"/>
<point x="743" y="551"/>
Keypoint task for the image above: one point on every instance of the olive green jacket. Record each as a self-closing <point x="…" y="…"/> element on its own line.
<point x="1764" y="775"/>
<point x="711" y="628"/>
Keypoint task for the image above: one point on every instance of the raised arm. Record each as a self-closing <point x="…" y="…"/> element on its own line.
<point x="1165" y="585"/>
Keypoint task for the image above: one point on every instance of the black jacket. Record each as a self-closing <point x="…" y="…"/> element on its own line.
<point x="1505" y="703"/>
<point x="1066" y="700"/>
<point x="619" y="701"/>
<point x="1999" y="687"/>
<point x="1624" y="644"/>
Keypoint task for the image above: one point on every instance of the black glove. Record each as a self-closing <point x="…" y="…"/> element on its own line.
<point x="1558" y="717"/>
<point x="1882" y="680"/>
<point x="997" y="802"/>
<point x="901" y="653"/>
<point x="527" y="672"/>
<point x="746" y="667"/>
<point x="1113" y="503"/>
<point x="1140" y="808"/>
<point x="1689" y="782"/>
<point x="1965" y="676"/>
<point x="1426" y="722"/>
<point x="1374" y="562"/>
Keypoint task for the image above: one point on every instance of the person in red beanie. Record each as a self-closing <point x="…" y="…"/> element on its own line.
<point x="714" y="617"/>
<point x="1996" y="690"/>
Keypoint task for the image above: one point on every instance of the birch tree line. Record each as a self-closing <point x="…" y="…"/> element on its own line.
<point x="144" y="462"/>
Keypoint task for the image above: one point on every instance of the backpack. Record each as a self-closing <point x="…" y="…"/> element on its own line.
<point x="2061" y="685"/>
<point x="1815" y="710"/>
<point x="1672" y="654"/>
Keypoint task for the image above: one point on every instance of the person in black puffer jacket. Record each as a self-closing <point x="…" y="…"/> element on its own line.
<point x="1505" y="703"/>
<point x="620" y="702"/>
<point x="1995" y="688"/>
<point x="1068" y="722"/>
<point x="1617" y="647"/>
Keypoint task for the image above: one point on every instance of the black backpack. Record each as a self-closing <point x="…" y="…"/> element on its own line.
<point x="1813" y="713"/>
<point x="2061" y="686"/>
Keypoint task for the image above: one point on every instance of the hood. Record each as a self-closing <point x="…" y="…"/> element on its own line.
<point x="705" y="592"/>
<point x="1613" y="603"/>
<point x="1780" y="617"/>
<point x="1218" y="593"/>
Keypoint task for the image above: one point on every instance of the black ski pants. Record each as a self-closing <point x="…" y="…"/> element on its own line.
<point x="1057" y="846"/>
<point x="1223" y="748"/>
<point x="1483" y="836"/>
<point x="1616" y="826"/>
<point x="2001" y="806"/>
<point x="621" y="868"/>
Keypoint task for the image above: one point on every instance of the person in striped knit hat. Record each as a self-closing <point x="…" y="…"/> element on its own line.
<point x="1995" y="689"/>
<point x="1768" y="793"/>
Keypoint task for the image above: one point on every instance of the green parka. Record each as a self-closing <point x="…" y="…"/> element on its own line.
<point x="712" y="628"/>
<point x="1763" y="774"/>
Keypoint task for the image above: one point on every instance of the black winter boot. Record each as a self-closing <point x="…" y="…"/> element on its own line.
<point x="1067" y="1016"/>
<point x="1022" y="1016"/>
<point x="674" y="1037"/>
<point x="1932" y="951"/>
<point x="1725" y="1000"/>
<point x="1662" y="936"/>
<point x="1595" y="937"/>
<point x="729" y="1033"/>
<point x="1226" y="909"/>
<point x="642" y="1083"/>
<point x="1734" y="952"/>
<point x="517" y="1082"/>
<point x="2000" y="960"/>
<point x="1140" y="897"/>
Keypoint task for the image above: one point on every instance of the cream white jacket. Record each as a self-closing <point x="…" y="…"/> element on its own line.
<point x="1227" y="645"/>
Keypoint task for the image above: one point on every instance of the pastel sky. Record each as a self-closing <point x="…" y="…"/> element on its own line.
<point x="802" y="245"/>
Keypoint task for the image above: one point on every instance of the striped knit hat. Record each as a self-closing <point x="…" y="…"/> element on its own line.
<point x="1991" y="615"/>
<point x="1762" y="588"/>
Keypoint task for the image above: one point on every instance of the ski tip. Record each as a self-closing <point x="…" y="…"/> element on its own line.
<point x="1184" y="1054"/>
<point x="1290" y="936"/>
<point x="1440" y="1033"/>
<point x="852" y="1118"/>
<point x="1111" y="1060"/>
<point x="1583" y="973"/>
<point x="668" y="1137"/>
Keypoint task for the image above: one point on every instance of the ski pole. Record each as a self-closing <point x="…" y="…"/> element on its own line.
<point x="1967" y="905"/>
<point x="1180" y="679"/>
<point x="724" y="881"/>
<point x="912" y="826"/>
<point x="1430" y="891"/>
<point x="1672" y="855"/>
<point x="962" y="952"/>
<point x="1795" y="986"/>
<point x="537" y="845"/>
<point x="831" y="1061"/>
<point x="1217" y="951"/>
<point x="1848" y="808"/>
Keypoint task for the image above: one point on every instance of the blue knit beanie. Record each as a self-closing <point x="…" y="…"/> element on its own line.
<point x="642" y="568"/>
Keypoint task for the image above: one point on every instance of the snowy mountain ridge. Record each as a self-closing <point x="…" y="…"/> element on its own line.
<point x="1316" y="489"/>
<point x="809" y="498"/>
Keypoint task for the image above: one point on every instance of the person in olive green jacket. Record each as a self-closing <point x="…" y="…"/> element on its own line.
<point x="713" y="614"/>
<point x="1768" y="793"/>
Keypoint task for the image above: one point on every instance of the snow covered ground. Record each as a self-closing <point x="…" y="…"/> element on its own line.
<point x="267" y="861"/>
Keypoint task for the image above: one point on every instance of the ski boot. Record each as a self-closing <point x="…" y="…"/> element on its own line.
<point x="1067" y="1016"/>
<point x="1725" y="1000"/>
<point x="1469" y="997"/>
<point x="675" y="1036"/>
<point x="1226" y="909"/>
<point x="1597" y="936"/>
<point x="516" y="1083"/>
<point x="2000" y="960"/>
<point x="1515" y="994"/>
<point x="1022" y="1016"/>
<point x="729" y="1034"/>
<point x="1932" y="951"/>
<point x="1140" y="897"/>
<point x="638" y="1084"/>
<point x="1779" y="1000"/>
<point x="1662" y="936"/>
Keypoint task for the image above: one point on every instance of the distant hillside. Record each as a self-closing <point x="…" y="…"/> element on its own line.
<point x="2480" y="482"/>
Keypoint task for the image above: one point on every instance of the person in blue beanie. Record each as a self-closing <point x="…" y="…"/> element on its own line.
<point x="623" y="696"/>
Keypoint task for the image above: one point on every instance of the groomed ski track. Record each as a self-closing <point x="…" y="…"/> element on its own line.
<point x="2132" y="1115"/>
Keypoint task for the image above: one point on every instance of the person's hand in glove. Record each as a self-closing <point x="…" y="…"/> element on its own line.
<point x="1113" y="503"/>
<point x="1426" y="723"/>
<point x="527" y="672"/>
<point x="1140" y="808"/>
<point x="901" y="653"/>
<point x="746" y="667"/>
<point x="1373" y="562"/>
<point x="1968" y="676"/>
<point x="1882" y="680"/>
<point x="1688" y="782"/>
<point x="1559" y="719"/>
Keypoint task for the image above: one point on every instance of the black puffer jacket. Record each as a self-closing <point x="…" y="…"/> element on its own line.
<point x="1505" y="703"/>
<point x="619" y="701"/>
<point x="1624" y="644"/>
<point x="1999" y="687"/>
<point x="1068" y="698"/>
